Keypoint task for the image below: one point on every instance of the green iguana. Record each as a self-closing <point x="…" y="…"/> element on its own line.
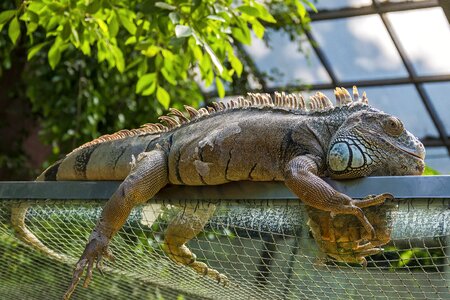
<point x="258" y="138"/>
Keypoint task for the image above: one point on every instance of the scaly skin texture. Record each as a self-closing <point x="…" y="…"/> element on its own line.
<point x="255" y="139"/>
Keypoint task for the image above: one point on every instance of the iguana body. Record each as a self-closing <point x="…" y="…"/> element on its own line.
<point x="256" y="139"/>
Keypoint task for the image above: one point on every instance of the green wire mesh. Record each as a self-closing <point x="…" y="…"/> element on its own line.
<point x="265" y="248"/>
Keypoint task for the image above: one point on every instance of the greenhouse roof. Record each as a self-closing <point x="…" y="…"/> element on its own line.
<point x="397" y="51"/>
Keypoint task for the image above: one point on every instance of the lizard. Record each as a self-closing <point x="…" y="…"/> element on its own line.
<point x="261" y="137"/>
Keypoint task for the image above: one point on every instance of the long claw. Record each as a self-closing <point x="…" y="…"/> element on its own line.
<point x="90" y="270"/>
<point x="374" y="200"/>
<point x="92" y="254"/>
<point x="99" y="265"/>
<point x="77" y="273"/>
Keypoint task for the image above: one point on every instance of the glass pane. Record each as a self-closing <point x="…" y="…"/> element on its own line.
<point x="359" y="48"/>
<point x="438" y="92"/>
<point x="403" y="102"/>
<point x="425" y="36"/>
<point x="283" y="61"/>
<point x="438" y="159"/>
<point x="335" y="4"/>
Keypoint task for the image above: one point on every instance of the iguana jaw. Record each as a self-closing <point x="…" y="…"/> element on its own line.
<point x="420" y="154"/>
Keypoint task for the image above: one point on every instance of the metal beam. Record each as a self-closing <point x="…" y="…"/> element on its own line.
<point x="360" y="83"/>
<point x="433" y="141"/>
<point x="384" y="7"/>
<point x="445" y="4"/>
<point x="402" y="187"/>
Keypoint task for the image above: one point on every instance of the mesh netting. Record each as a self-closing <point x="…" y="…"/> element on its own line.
<point x="265" y="248"/>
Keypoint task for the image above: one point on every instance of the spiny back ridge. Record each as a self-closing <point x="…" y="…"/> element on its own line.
<point x="175" y="118"/>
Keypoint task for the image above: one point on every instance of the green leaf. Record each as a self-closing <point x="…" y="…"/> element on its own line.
<point x="30" y="16"/>
<point x="174" y="17"/>
<point x="165" y="5"/>
<point x="144" y="82"/>
<point x="14" y="30"/>
<point x="236" y="65"/>
<point x="6" y="15"/>
<point x="242" y="35"/>
<point x="94" y="7"/>
<point x="264" y="14"/>
<point x="31" y="27"/>
<point x="301" y="10"/>
<point x="65" y="32"/>
<point x="213" y="57"/>
<point x="169" y="76"/>
<point x="310" y="4"/>
<point x="249" y="10"/>
<point x="102" y="25"/>
<point x="220" y="88"/>
<point x="258" y="28"/>
<point x="163" y="97"/>
<point x="150" y="90"/>
<point x="130" y="40"/>
<point x="127" y="23"/>
<point x="113" y="25"/>
<point x="151" y="51"/>
<point x="35" y="49"/>
<point x="54" y="54"/>
<point x="85" y="47"/>
<point x="183" y="31"/>
<point x="430" y="171"/>
<point x="56" y="7"/>
<point x="118" y="56"/>
<point x="216" y="18"/>
<point x="76" y="38"/>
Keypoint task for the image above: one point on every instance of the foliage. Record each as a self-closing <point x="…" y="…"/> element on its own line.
<point x="96" y="66"/>
<point x="430" y="171"/>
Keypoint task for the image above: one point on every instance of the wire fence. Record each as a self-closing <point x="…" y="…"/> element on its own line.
<point x="267" y="249"/>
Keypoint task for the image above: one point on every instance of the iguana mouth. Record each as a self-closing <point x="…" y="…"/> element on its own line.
<point x="420" y="156"/>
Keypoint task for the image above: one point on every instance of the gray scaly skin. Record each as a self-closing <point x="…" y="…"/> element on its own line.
<point x="255" y="139"/>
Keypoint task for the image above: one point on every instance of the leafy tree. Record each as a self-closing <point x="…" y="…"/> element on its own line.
<point x="96" y="66"/>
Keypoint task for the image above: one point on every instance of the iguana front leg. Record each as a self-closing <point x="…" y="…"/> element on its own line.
<point x="146" y="178"/>
<point x="185" y="226"/>
<point x="301" y="178"/>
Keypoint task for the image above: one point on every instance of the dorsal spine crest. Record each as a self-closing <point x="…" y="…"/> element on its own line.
<point x="292" y="101"/>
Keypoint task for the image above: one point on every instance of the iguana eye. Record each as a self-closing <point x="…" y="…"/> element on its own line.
<point x="393" y="126"/>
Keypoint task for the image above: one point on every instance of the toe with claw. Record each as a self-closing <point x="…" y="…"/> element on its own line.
<point x="95" y="250"/>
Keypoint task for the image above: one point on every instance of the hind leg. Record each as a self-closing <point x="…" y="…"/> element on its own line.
<point x="184" y="227"/>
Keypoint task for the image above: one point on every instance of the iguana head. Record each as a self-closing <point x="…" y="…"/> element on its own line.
<point x="371" y="142"/>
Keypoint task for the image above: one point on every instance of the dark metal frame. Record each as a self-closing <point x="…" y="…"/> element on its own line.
<point x="402" y="187"/>
<point x="418" y="81"/>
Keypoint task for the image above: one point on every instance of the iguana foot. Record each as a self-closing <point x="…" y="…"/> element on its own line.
<point x="183" y="256"/>
<point x="95" y="250"/>
<point x="345" y="239"/>
<point x="181" y="229"/>
<point x="342" y="204"/>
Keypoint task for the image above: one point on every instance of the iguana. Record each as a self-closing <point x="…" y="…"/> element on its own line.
<point x="257" y="138"/>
